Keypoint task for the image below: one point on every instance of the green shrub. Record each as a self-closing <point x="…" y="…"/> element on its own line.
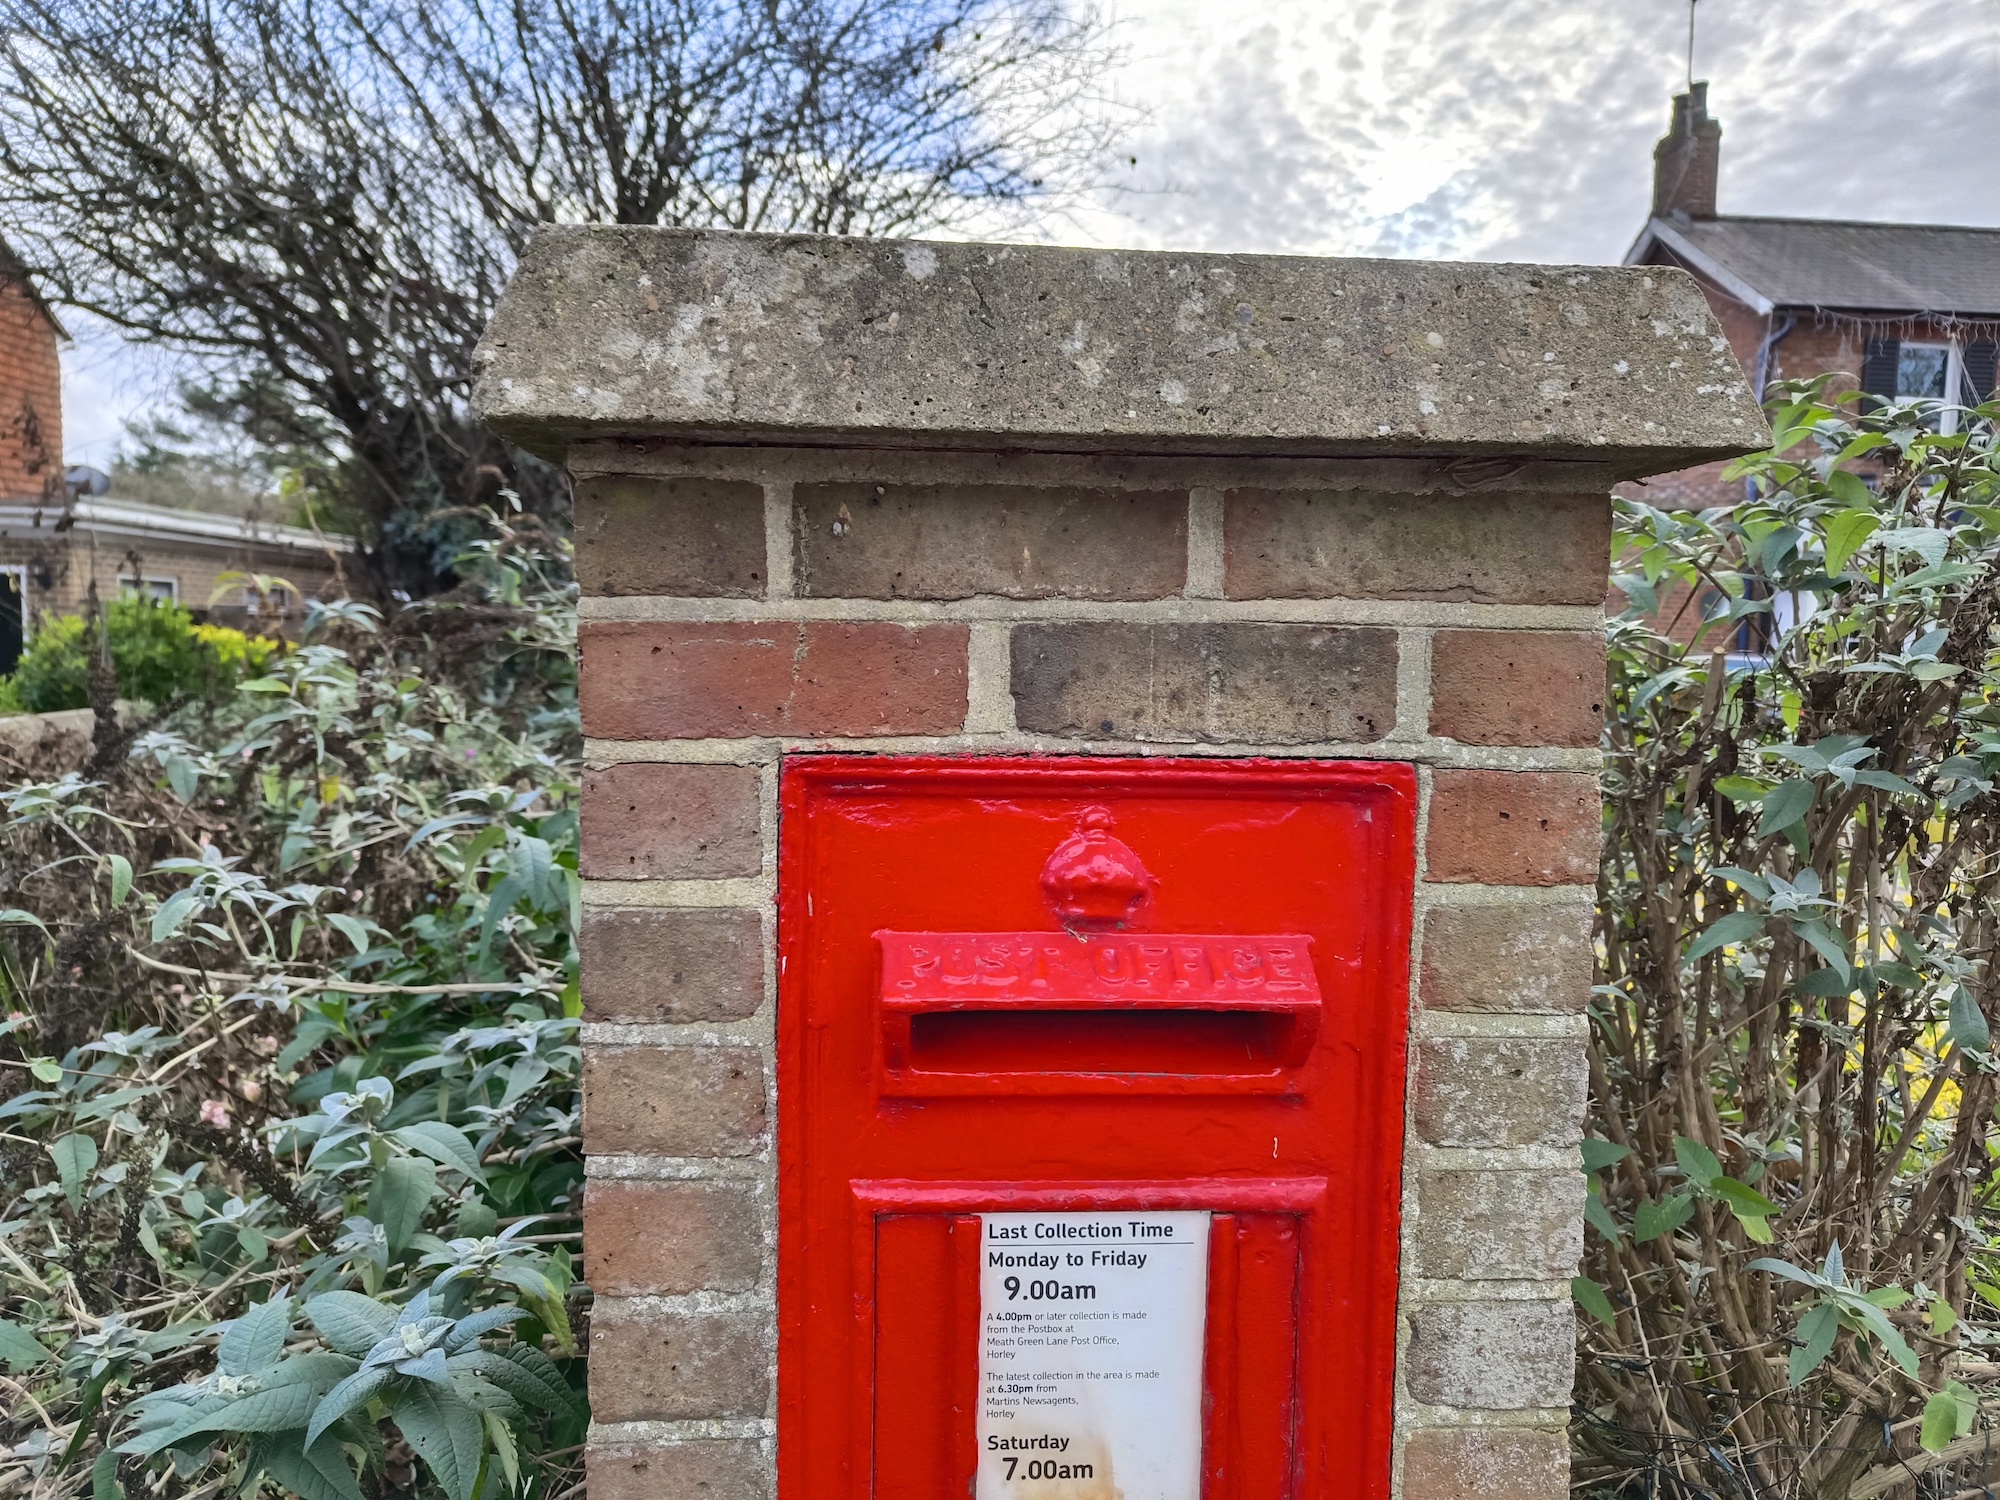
<point x="279" y="1104"/>
<point x="157" y="650"/>
<point x="238" y="654"/>
<point x="1791" y="1276"/>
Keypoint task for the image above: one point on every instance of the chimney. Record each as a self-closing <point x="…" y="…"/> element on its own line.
<point x="1686" y="158"/>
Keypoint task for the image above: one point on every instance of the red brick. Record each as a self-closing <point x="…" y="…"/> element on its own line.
<point x="1518" y="687"/>
<point x="664" y="1238"/>
<point x="671" y="964"/>
<point x="666" y="1367"/>
<point x="1514" y="827"/>
<point x="667" y="822"/>
<point x="1481" y="1463"/>
<point x="31" y="439"/>
<point x="659" y="680"/>
<point x="673" y="1101"/>
<point x="708" y="1469"/>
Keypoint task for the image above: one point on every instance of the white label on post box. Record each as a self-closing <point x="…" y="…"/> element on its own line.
<point x="1090" y="1342"/>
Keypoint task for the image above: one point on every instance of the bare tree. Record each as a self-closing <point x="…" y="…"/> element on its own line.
<point x="322" y="198"/>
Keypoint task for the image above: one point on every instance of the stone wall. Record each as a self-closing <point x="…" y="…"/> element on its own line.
<point x="753" y="590"/>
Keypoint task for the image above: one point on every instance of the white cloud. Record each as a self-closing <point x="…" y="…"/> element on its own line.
<point x="108" y="382"/>
<point x="1493" y="129"/>
<point x="1524" y="128"/>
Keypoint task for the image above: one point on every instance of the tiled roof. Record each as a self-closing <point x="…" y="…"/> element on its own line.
<point x="1825" y="263"/>
<point x="12" y="269"/>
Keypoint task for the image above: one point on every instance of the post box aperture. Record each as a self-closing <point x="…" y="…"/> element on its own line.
<point x="1090" y="1151"/>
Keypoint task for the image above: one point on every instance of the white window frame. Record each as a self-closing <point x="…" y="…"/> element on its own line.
<point x="20" y="572"/>
<point x="145" y="587"/>
<point x="1954" y="378"/>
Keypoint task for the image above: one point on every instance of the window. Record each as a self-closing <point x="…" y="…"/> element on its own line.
<point x="159" y="590"/>
<point x="1929" y="373"/>
<point x="1950" y="374"/>
<point x="13" y="616"/>
<point x="1923" y="371"/>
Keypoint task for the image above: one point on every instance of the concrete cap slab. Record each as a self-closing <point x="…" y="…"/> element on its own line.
<point x="611" y="331"/>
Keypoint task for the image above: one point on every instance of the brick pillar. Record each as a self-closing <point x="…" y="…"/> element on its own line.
<point x="909" y="499"/>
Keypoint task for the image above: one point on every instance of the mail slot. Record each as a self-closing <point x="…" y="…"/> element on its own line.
<point x="1081" y="1011"/>
<point x="1090" y="1147"/>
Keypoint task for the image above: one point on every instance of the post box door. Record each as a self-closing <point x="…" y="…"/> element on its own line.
<point x="1058" y="996"/>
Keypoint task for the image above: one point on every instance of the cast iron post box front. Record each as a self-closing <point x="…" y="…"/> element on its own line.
<point x="1089" y="1186"/>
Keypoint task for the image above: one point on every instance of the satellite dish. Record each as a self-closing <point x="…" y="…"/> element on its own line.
<point x="82" y="479"/>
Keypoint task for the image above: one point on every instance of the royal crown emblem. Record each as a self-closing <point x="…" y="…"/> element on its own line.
<point x="1094" y="879"/>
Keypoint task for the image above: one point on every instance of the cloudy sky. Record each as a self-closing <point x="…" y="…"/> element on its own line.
<point x="1486" y="129"/>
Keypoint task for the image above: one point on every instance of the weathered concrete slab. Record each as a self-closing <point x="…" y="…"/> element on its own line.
<point x="633" y="332"/>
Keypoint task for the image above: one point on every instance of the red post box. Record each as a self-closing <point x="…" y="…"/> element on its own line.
<point x="1091" y="1153"/>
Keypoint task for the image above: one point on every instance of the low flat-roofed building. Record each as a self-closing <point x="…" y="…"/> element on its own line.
<point x="51" y="554"/>
<point x="59" y="531"/>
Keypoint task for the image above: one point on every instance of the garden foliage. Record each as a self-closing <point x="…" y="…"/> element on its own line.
<point x="1790" y="1272"/>
<point x="158" y="653"/>
<point x="290" y="1137"/>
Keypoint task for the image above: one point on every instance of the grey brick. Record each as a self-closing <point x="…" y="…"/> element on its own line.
<point x="1500" y="1226"/>
<point x="1523" y="957"/>
<point x="1482" y="1091"/>
<point x="1493" y="1356"/>
<point x="1214" y="683"/>
<point x="1484" y="1463"/>
<point x="701" y="538"/>
<point x="945" y="541"/>
<point x="1360" y="544"/>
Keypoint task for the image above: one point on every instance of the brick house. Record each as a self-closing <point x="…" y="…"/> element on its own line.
<point x="1905" y="310"/>
<point x="31" y="450"/>
<point x="57" y="537"/>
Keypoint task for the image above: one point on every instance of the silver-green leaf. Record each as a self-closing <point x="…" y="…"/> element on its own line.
<point x="442" y="1143"/>
<point x="75" y="1157"/>
<point x="1784" y="805"/>
<point x="445" y="1432"/>
<point x="256" y="1341"/>
<point x="350" y="1322"/>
